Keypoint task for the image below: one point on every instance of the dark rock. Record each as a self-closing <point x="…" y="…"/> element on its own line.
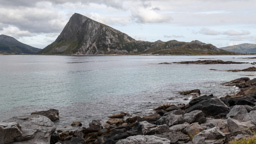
<point x="209" y="62"/>
<point x="9" y="132"/>
<point x="175" y="136"/>
<point x="52" y="114"/>
<point x="195" y="91"/>
<point x="95" y="125"/>
<point x="209" y="136"/>
<point x="76" y="124"/>
<point x="55" y="137"/>
<point x="239" y="113"/>
<point x="248" y="92"/>
<point x="144" y="139"/>
<point x="199" y="99"/>
<point x="194" y="116"/>
<point x="133" y="119"/>
<point x="240" y="82"/>
<point x="116" y="121"/>
<point x="171" y="119"/>
<point x="210" y="107"/>
<point x="193" y="130"/>
<point x="151" y="118"/>
<point x="118" y="115"/>
<point x="250" y="69"/>
<point x="232" y="101"/>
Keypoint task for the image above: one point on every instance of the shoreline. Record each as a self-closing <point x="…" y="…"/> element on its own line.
<point x="205" y="119"/>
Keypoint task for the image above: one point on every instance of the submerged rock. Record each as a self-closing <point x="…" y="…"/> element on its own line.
<point x="250" y="69"/>
<point x="189" y="92"/>
<point x="52" y="114"/>
<point x="209" y="62"/>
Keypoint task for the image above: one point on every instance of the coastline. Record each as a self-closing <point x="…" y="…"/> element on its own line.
<point x="205" y="118"/>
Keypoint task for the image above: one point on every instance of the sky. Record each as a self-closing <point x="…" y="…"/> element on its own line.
<point x="219" y="22"/>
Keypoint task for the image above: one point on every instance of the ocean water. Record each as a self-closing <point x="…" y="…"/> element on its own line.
<point x="93" y="87"/>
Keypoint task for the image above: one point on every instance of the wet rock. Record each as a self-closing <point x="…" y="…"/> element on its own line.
<point x="52" y="114"/>
<point x="239" y="113"/>
<point x="193" y="130"/>
<point x="133" y="119"/>
<point x="231" y="101"/>
<point x="9" y="132"/>
<point x="240" y="82"/>
<point x="171" y="119"/>
<point x="209" y="62"/>
<point x="151" y="118"/>
<point x="148" y="128"/>
<point x="212" y="135"/>
<point x="189" y="92"/>
<point x="76" y="124"/>
<point x="248" y="92"/>
<point x="235" y="125"/>
<point x="194" y="116"/>
<point x="118" y="115"/>
<point x="251" y="82"/>
<point x="179" y="127"/>
<point x="175" y="136"/>
<point x="210" y="106"/>
<point x="143" y="139"/>
<point x="95" y="125"/>
<point x="200" y="99"/>
<point x="250" y="69"/>
<point x="220" y="123"/>
<point x="55" y="137"/>
<point x="171" y="108"/>
<point x="35" y="128"/>
<point x="115" y="121"/>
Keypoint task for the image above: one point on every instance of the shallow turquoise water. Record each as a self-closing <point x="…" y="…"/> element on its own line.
<point x="106" y="83"/>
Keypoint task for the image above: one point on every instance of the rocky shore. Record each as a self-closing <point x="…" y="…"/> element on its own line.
<point x="206" y="62"/>
<point x="206" y="119"/>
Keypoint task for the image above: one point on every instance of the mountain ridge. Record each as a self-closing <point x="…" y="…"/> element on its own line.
<point x="245" y="48"/>
<point x="10" y="45"/>
<point x="84" y="36"/>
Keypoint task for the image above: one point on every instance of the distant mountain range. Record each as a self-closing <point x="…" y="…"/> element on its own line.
<point x="84" y="36"/>
<point x="9" y="45"/>
<point x="242" y="48"/>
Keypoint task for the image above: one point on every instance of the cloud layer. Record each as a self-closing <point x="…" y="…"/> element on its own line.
<point x="228" y="20"/>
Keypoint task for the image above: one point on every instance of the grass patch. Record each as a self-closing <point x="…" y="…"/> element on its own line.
<point x="249" y="140"/>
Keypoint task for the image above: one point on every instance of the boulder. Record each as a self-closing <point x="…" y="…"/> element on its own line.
<point x="210" y="106"/>
<point x="194" y="116"/>
<point x="239" y="112"/>
<point x="209" y="136"/>
<point x="240" y="82"/>
<point x="252" y="116"/>
<point x="151" y="118"/>
<point x="9" y="132"/>
<point x="119" y="115"/>
<point x="200" y="99"/>
<point x="222" y="124"/>
<point x="143" y="139"/>
<point x="148" y="128"/>
<point x="232" y="101"/>
<point x="76" y="124"/>
<point x="52" y="114"/>
<point x="179" y="127"/>
<point x="248" y="92"/>
<point x="237" y="126"/>
<point x="171" y="119"/>
<point x="115" y="121"/>
<point x="95" y="125"/>
<point x="175" y="137"/>
<point x="193" y="130"/>
<point x="35" y="129"/>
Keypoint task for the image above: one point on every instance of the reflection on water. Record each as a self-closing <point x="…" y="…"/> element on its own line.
<point x="94" y="86"/>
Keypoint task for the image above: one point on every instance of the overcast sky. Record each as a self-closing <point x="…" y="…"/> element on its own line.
<point x="220" y="22"/>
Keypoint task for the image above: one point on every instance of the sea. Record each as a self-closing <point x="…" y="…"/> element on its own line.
<point x="86" y="88"/>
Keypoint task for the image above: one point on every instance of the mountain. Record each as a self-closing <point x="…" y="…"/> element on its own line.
<point x="245" y="48"/>
<point x="9" y="45"/>
<point x="84" y="36"/>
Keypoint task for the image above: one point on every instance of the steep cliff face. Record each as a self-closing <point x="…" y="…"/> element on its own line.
<point x="9" y="45"/>
<point x="84" y="36"/>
